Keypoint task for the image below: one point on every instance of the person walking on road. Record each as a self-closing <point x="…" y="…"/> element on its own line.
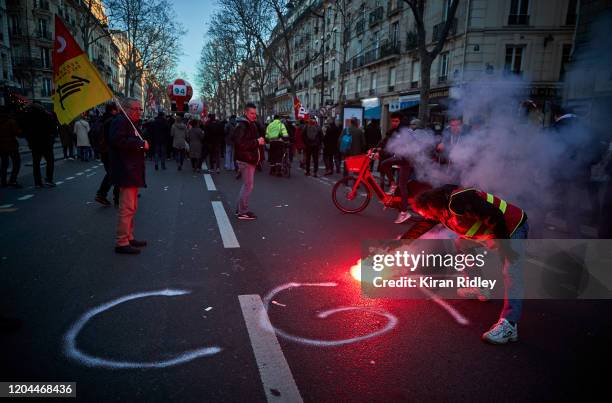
<point x="179" y="133"/>
<point x="195" y="138"/>
<point x="356" y="144"/>
<point x="160" y="132"/>
<point x="101" y="143"/>
<point x="248" y="141"/>
<point x="66" y="132"/>
<point x="483" y="217"/>
<point x="9" y="149"/>
<point x="331" y="155"/>
<point x="40" y="130"/>
<point x="127" y="152"/>
<point x="215" y="139"/>
<point x="81" y="130"/>
<point x="229" y="144"/>
<point x="313" y="136"/>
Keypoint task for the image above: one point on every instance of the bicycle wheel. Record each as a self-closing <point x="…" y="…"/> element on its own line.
<point x="348" y="202"/>
<point x="286" y="167"/>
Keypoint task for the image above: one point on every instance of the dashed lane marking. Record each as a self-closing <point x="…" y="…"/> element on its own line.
<point x="276" y="377"/>
<point x="70" y="178"/>
<point x="225" y="227"/>
<point x="59" y="182"/>
<point x="26" y="197"/>
<point x="87" y="176"/>
<point x="79" y="173"/>
<point x="210" y="184"/>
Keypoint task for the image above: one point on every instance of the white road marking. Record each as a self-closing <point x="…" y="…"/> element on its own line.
<point x="70" y="178"/>
<point x="73" y="352"/>
<point x="210" y="184"/>
<point x="6" y="206"/>
<point x="26" y="197"/>
<point x="225" y="227"/>
<point x="90" y="175"/>
<point x="390" y="318"/>
<point x="95" y="167"/>
<point x="276" y="376"/>
<point x="205" y="166"/>
<point x="462" y="320"/>
<point x="88" y="169"/>
<point x="59" y="182"/>
<point x="79" y="173"/>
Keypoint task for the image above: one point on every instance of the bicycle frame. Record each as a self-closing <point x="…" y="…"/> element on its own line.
<point x="365" y="176"/>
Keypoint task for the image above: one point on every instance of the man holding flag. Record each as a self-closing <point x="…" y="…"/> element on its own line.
<point x="78" y="88"/>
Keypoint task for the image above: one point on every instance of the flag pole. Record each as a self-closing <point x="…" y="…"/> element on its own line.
<point x="128" y="118"/>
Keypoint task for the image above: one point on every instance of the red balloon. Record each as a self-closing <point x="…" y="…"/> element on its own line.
<point x="180" y="92"/>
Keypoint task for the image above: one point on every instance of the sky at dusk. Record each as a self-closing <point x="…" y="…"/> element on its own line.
<point x="194" y="15"/>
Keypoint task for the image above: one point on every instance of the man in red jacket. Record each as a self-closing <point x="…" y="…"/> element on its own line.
<point x="481" y="216"/>
<point x="248" y="140"/>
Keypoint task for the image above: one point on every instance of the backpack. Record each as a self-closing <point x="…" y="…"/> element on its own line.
<point x="345" y="142"/>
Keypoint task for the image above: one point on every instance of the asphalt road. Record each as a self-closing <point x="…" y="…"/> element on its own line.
<point x="171" y="323"/>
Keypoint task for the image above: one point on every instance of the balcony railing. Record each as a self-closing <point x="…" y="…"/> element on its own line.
<point x="358" y="61"/>
<point x="376" y="15"/>
<point x="393" y="9"/>
<point x="414" y="84"/>
<point x="345" y="67"/>
<point x="390" y="48"/>
<point x="442" y="79"/>
<point x="437" y="30"/>
<point x="360" y="26"/>
<point x="46" y="35"/>
<point x="26" y="62"/>
<point x="41" y="5"/>
<point x="518" y="19"/>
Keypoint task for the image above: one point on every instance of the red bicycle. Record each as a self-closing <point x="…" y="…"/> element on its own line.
<point x="352" y="194"/>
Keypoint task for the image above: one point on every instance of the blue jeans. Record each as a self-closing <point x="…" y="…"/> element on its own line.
<point x="229" y="157"/>
<point x="513" y="276"/>
<point x="248" y="176"/>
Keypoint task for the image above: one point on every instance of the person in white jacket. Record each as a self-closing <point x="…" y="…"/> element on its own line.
<point x="81" y="130"/>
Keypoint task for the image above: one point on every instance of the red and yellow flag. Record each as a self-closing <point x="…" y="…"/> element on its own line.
<point x="78" y="85"/>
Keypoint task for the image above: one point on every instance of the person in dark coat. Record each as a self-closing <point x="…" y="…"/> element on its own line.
<point x="215" y="141"/>
<point x="248" y="140"/>
<point x="40" y="129"/>
<point x="372" y="134"/>
<point x="331" y="153"/>
<point x="313" y="137"/>
<point x="9" y="149"/>
<point x="127" y="154"/>
<point x="160" y="132"/>
<point x="102" y="145"/>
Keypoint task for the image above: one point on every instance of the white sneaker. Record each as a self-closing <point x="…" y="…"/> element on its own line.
<point x="402" y="216"/>
<point x="501" y="333"/>
<point x="481" y="294"/>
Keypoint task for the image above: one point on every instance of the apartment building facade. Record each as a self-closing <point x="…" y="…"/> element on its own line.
<point x="370" y="53"/>
<point x="28" y="47"/>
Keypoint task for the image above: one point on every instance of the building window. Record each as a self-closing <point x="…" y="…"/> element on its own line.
<point x="358" y="84"/>
<point x="443" y="68"/>
<point x="45" y="56"/>
<point x="372" y="82"/>
<point x="42" y="27"/>
<point x="514" y="60"/>
<point x="392" y="76"/>
<point x="46" y="88"/>
<point x="572" y="9"/>
<point x="565" y="59"/>
<point x="416" y="74"/>
<point x="447" y="5"/>
<point x="519" y="12"/>
<point x="394" y="33"/>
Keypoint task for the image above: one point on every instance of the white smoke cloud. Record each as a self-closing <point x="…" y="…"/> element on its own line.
<point x="511" y="155"/>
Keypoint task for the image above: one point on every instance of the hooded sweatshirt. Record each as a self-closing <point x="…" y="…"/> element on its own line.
<point x="178" y="132"/>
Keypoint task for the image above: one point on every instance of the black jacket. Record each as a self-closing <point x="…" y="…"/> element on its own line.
<point x="160" y="131"/>
<point x="39" y="128"/>
<point x="372" y="135"/>
<point x="126" y="154"/>
<point x="214" y="133"/>
<point x="317" y="135"/>
<point x="246" y="146"/>
<point x="330" y="140"/>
